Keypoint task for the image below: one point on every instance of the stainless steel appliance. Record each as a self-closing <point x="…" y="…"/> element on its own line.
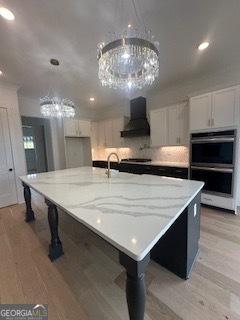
<point x="212" y="161"/>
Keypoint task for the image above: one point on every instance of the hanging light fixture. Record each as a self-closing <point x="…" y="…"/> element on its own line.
<point x="55" y="107"/>
<point x="130" y="60"/>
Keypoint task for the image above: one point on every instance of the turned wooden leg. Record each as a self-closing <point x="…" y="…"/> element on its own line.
<point x="27" y="196"/>
<point x="135" y="286"/>
<point x="55" y="248"/>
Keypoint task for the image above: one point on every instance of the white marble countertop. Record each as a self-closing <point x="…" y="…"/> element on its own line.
<point x="131" y="212"/>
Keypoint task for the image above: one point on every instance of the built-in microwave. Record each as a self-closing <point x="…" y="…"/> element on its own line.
<point x="213" y="148"/>
<point x="212" y="161"/>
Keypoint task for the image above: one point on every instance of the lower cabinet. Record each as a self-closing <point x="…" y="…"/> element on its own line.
<point x="173" y="172"/>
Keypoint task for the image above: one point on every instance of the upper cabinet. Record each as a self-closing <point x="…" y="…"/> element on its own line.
<point x="178" y="125"/>
<point x="107" y="133"/>
<point x="215" y="110"/>
<point x="200" y="112"/>
<point x="169" y="126"/>
<point x="94" y="134"/>
<point x="159" y="127"/>
<point x="225" y="107"/>
<point x="77" y="128"/>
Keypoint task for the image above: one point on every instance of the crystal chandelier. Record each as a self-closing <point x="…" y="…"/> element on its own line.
<point x="55" y="107"/>
<point x="129" y="60"/>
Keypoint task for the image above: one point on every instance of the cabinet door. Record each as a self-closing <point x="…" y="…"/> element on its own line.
<point x="117" y="127"/>
<point x="84" y="128"/>
<point x="108" y="129"/>
<point x="101" y="134"/>
<point x="94" y="134"/>
<point x="224" y="108"/>
<point x="71" y="127"/>
<point x="200" y="112"/>
<point x="159" y="127"/>
<point x="178" y="125"/>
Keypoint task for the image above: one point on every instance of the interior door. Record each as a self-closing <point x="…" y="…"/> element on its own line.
<point x="8" y="193"/>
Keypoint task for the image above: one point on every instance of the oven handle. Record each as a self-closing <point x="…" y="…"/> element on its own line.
<point x="212" y="140"/>
<point x="226" y="170"/>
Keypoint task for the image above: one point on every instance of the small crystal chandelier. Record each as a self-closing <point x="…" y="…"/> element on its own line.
<point x="55" y="107"/>
<point x="129" y="60"/>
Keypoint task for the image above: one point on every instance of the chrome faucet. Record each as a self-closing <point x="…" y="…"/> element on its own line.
<point x="108" y="161"/>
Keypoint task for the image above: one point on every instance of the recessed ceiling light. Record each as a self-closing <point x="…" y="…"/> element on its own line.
<point x="92" y="99"/>
<point x="129" y="26"/>
<point x="1" y="73"/>
<point x="6" y="14"/>
<point x="203" y="46"/>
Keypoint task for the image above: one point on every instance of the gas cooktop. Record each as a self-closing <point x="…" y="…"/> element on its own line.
<point x="136" y="160"/>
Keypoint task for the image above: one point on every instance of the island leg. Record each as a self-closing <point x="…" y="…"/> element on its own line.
<point x="27" y="196"/>
<point x="135" y="285"/>
<point x="55" y="248"/>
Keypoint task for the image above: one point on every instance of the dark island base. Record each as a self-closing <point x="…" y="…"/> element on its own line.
<point x="178" y="248"/>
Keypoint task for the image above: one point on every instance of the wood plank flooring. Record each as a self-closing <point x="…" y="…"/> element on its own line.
<point x="88" y="282"/>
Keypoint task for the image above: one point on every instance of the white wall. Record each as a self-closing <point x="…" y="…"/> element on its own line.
<point x="9" y="100"/>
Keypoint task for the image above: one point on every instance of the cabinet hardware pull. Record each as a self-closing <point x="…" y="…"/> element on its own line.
<point x="209" y="122"/>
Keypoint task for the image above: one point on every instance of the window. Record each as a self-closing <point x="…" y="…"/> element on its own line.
<point x="28" y="142"/>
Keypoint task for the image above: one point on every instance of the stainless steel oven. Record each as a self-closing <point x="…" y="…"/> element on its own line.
<point x="212" y="161"/>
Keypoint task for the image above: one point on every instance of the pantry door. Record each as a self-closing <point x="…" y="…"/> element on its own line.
<point x="8" y="193"/>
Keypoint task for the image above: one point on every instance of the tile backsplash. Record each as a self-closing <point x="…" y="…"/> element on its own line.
<point x="139" y="148"/>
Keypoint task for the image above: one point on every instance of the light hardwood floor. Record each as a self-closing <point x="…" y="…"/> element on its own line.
<point x="88" y="282"/>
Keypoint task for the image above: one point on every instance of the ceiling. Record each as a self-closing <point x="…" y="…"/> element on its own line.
<point x="70" y="30"/>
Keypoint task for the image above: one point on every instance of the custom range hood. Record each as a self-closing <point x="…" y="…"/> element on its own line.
<point x="138" y="124"/>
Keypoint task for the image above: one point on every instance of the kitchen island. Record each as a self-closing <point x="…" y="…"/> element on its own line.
<point x="142" y="216"/>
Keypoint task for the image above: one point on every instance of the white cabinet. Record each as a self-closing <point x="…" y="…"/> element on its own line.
<point x="200" y="112"/>
<point x="217" y="109"/>
<point x="70" y="127"/>
<point x="169" y="126"/>
<point x="117" y="127"/>
<point x="77" y="128"/>
<point x="107" y="133"/>
<point x="84" y="128"/>
<point x="178" y="125"/>
<point x="159" y="127"/>
<point x="224" y="108"/>
<point x="94" y="134"/>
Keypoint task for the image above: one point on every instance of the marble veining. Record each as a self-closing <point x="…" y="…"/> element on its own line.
<point x="129" y="211"/>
